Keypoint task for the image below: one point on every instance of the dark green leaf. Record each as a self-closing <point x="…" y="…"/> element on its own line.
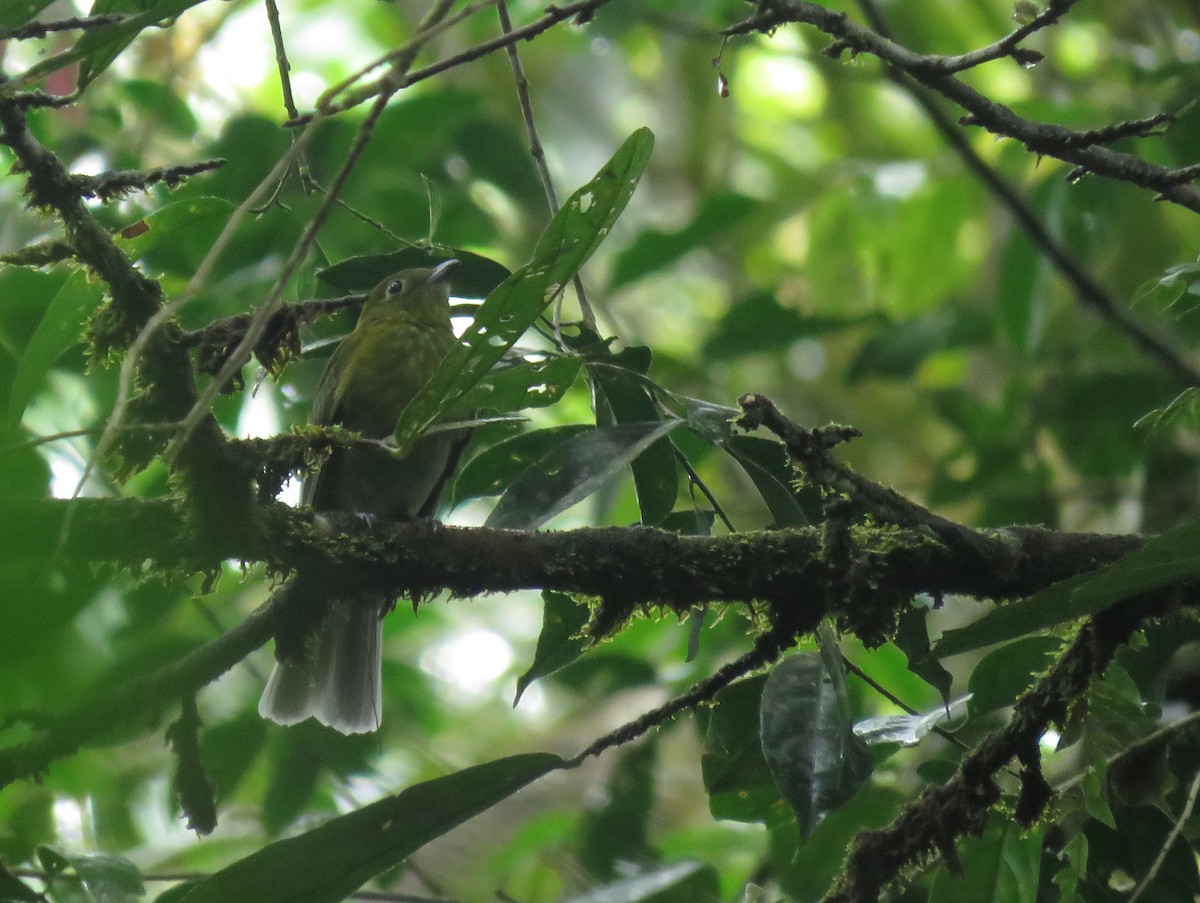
<point x="765" y="462"/>
<point x="912" y="638"/>
<point x="108" y="877"/>
<point x="575" y="232"/>
<point x="1000" y="867"/>
<point x="335" y="859"/>
<point x="571" y="472"/>
<point x="616" y="834"/>
<point x="14" y="890"/>
<point x="760" y="323"/>
<point x="655" y="472"/>
<point x="559" y="643"/>
<point x="900" y="348"/>
<point x="60" y="328"/>
<point x="736" y="776"/>
<point x="807" y="740"/>
<point x="492" y="470"/>
<point x="1006" y="673"/>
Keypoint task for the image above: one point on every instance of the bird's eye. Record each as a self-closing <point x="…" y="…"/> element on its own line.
<point x="395" y="287"/>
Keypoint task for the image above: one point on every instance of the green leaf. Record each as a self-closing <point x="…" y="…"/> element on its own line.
<point x="178" y="235"/>
<point x="1004" y="674"/>
<point x="333" y="860"/>
<point x="765" y="462"/>
<point x="615" y="835"/>
<point x="559" y="643"/>
<point x="736" y="776"/>
<point x="912" y="638"/>
<point x="18" y="12"/>
<point x="476" y="277"/>
<point x="575" y="232"/>
<point x="98" y="47"/>
<point x="1164" y="560"/>
<point x="571" y="472"/>
<point x="1000" y="867"/>
<point x="492" y="470"/>
<point x="532" y="384"/>
<point x="655" y="471"/>
<point x="60" y="328"/>
<point x="817" y="761"/>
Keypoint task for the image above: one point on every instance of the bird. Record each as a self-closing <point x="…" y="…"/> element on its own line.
<point x="401" y="337"/>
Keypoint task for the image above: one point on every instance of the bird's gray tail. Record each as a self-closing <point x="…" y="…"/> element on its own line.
<point x="335" y="677"/>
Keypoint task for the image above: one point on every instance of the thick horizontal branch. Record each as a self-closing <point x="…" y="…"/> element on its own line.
<point x="630" y="565"/>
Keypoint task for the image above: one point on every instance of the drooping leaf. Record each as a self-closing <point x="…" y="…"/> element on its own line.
<point x="559" y="643"/>
<point x="573" y="471"/>
<point x="807" y="737"/>
<point x="912" y="638"/>
<point x="492" y="470"/>
<point x="655" y="471"/>
<point x="60" y="328"/>
<point x="616" y="835"/>
<point x="575" y="232"/>
<point x="335" y="859"/>
<point x="765" y="463"/>
<point x="98" y="47"/>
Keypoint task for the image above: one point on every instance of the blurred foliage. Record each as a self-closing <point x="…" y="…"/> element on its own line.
<point x="809" y="237"/>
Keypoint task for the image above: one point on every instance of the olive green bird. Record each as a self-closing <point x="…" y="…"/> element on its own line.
<point x="400" y="339"/>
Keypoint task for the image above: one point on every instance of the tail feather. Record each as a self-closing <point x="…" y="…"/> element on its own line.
<point x="339" y="684"/>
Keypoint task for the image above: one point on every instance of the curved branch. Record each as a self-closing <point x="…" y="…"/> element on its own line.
<point x="930" y="70"/>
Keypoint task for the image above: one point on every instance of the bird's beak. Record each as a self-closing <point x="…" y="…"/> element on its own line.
<point x="443" y="270"/>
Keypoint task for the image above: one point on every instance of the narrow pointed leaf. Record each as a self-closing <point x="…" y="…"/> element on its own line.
<point x="572" y="472"/>
<point x="333" y="860"/>
<point x="60" y="328"/>
<point x="1162" y="561"/>
<point x="575" y="232"/>
<point x="559" y="643"/>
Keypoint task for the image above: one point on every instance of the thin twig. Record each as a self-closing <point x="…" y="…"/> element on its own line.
<point x="41" y="29"/>
<point x="766" y="649"/>
<point x="1042" y="138"/>
<point x="553" y="16"/>
<point x="281" y="60"/>
<point x="266" y="310"/>
<point x="1176" y="830"/>
<point x="539" y="161"/>
<point x="1087" y="290"/>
